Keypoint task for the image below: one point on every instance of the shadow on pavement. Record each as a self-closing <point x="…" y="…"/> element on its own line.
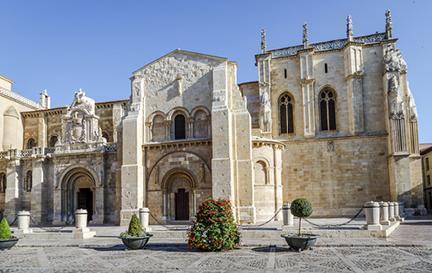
<point x="272" y="249"/>
<point x="166" y="247"/>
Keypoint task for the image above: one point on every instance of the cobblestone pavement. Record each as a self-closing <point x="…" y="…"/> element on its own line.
<point x="177" y="258"/>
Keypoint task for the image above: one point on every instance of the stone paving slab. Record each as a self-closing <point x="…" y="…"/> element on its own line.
<point x="178" y="258"/>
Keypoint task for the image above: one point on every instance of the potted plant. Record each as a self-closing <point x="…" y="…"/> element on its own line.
<point x="301" y="208"/>
<point x="135" y="237"/>
<point x="214" y="228"/>
<point x="6" y="239"/>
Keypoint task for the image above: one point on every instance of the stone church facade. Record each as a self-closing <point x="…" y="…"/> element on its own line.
<point x="334" y="122"/>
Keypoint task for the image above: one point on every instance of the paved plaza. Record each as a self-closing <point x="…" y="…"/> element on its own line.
<point x="409" y="249"/>
<point x="177" y="258"/>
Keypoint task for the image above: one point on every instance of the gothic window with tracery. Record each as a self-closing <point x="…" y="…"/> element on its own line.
<point x="328" y="109"/>
<point x="286" y="117"/>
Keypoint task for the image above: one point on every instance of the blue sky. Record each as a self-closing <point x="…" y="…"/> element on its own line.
<point x="95" y="45"/>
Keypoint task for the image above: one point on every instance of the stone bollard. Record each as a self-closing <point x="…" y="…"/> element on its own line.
<point x="391" y="212"/>
<point x="288" y="218"/>
<point x="372" y="211"/>
<point x="384" y="216"/>
<point x="24" y="222"/>
<point x="401" y="211"/>
<point x="144" y="214"/>
<point x="81" y="231"/>
<point x="396" y="211"/>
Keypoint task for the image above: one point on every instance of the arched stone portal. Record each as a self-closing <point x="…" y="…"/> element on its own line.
<point x="179" y="197"/>
<point x="80" y="190"/>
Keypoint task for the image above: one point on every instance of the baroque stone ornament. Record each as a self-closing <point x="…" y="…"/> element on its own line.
<point x="80" y="124"/>
<point x="265" y="112"/>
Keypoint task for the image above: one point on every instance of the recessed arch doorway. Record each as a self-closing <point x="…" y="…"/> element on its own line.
<point x="78" y="191"/>
<point x="179" y="197"/>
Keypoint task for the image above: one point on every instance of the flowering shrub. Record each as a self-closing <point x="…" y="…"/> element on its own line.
<point x="214" y="228"/>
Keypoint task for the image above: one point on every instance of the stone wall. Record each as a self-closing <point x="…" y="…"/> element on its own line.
<point x="337" y="175"/>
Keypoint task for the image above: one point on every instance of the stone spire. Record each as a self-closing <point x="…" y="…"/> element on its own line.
<point x="263" y="41"/>
<point x="388" y="32"/>
<point x="305" y="35"/>
<point x="349" y="30"/>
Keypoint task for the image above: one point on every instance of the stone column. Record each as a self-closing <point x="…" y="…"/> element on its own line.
<point x="384" y="213"/>
<point x="98" y="215"/>
<point x="38" y="208"/>
<point x="144" y="215"/>
<point x="372" y="211"/>
<point x="12" y="188"/>
<point x="24" y="222"/>
<point x="288" y="218"/>
<point x="391" y="212"/>
<point x="308" y="96"/>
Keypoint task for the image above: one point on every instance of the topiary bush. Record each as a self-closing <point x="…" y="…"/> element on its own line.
<point x="135" y="228"/>
<point x="214" y="228"/>
<point x="301" y="208"/>
<point x="5" y="232"/>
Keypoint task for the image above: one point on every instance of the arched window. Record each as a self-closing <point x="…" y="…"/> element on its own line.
<point x="31" y="143"/>
<point x="28" y="182"/>
<point x="201" y="124"/>
<point x="53" y="141"/>
<point x="2" y="182"/>
<point x="286" y="117"/>
<point x="327" y="109"/>
<point x="179" y="127"/>
<point x="106" y="136"/>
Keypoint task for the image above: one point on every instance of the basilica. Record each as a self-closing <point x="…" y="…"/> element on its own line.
<point x="332" y="121"/>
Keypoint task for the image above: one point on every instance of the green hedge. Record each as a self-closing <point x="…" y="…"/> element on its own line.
<point x="5" y="232"/>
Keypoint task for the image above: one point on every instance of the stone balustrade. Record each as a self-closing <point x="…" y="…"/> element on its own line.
<point x="39" y="151"/>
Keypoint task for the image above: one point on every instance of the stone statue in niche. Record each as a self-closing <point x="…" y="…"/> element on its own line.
<point x="394" y="64"/>
<point x="136" y="86"/>
<point x="265" y="112"/>
<point x="78" y="131"/>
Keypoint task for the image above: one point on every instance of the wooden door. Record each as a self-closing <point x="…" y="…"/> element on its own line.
<point x="181" y="205"/>
<point x="85" y="201"/>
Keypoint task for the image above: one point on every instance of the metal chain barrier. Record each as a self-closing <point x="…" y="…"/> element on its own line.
<point x="39" y="225"/>
<point x="161" y="224"/>
<point x="14" y="221"/>
<point x="335" y="225"/>
<point x="266" y="222"/>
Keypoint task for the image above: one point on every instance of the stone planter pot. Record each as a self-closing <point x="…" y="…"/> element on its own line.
<point x="7" y="244"/>
<point x="302" y="242"/>
<point x="134" y="243"/>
